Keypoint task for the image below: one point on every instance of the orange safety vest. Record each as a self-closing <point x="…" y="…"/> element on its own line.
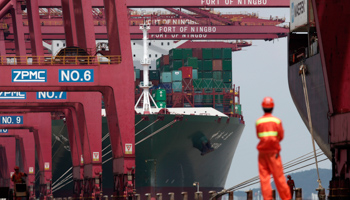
<point x="17" y="178"/>
<point x="270" y="132"/>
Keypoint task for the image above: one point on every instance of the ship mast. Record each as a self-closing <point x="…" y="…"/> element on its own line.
<point x="145" y="62"/>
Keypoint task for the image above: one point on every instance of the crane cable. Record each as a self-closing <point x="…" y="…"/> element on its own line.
<point x="287" y="165"/>
<point x="138" y="122"/>
<point x="155" y="132"/>
<point x="147" y="127"/>
<point x="164" y="127"/>
<point x="59" y="185"/>
<point x="54" y="183"/>
<point x="255" y="180"/>
<point x="302" y="71"/>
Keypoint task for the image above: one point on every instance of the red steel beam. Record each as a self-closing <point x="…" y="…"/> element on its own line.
<point x="185" y="29"/>
<point x="89" y="118"/>
<point x="190" y="44"/>
<point x="212" y="29"/>
<point x="27" y="139"/>
<point x="183" y="3"/>
<point x="184" y="37"/>
<point x="18" y="29"/>
<point x="69" y="23"/>
<point x="6" y="9"/>
<point x="210" y="15"/>
<point x="35" y="28"/>
<point x="53" y="31"/>
<point x="123" y="104"/>
<point x="40" y="124"/>
<point x="4" y="171"/>
<point x="84" y="24"/>
<point x="9" y="144"/>
<point x="73" y="130"/>
<point x="3" y="3"/>
<point x="183" y="14"/>
<point x="2" y="43"/>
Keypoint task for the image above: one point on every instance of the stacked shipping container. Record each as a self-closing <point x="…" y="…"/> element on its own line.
<point x="207" y="69"/>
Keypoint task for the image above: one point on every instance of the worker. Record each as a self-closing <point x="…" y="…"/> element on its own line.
<point x="290" y="184"/>
<point x="18" y="177"/>
<point x="270" y="131"/>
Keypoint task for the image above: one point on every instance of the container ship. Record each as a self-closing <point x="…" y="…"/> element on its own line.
<point x="190" y="138"/>
<point x="324" y="57"/>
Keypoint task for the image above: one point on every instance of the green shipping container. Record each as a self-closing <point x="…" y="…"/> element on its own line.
<point x="175" y="54"/>
<point x="228" y="86"/>
<point x="186" y="53"/>
<point x="197" y="84"/>
<point x="165" y="77"/>
<point x="200" y="74"/>
<point x="166" y="68"/>
<point x="200" y="65"/>
<point x="154" y="75"/>
<point x="176" y="75"/>
<point x="219" y="98"/>
<point x="227" y="65"/>
<point x="217" y="75"/>
<point x="192" y="62"/>
<point x="227" y="76"/>
<point x="207" y="53"/>
<point x="207" y="65"/>
<point x="207" y="98"/>
<point x="198" y="98"/>
<point x="207" y="74"/>
<point x="194" y="73"/>
<point x="160" y="95"/>
<point x="176" y="64"/>
<point x="177" y="86"/>
<point x="207" y="83"/>
<point x="158" y="63"/>
<point x="218" y="85"/>
<point x="161" y="104"/>
<point x="226" y="53"/>
<point x="238" y="108"/>
<point x="219" y="107"/>
<point x="137" y="72"/>
<point x="153" y="93"/>
<point x="217" y="53"/>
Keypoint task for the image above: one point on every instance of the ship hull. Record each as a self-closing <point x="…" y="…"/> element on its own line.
<point x="183" y="150"/>
<point x="317" y="97"/>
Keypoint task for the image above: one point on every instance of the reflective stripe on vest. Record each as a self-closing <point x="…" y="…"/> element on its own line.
<point x="268" y="133"/>
<point x="268" y="119"/>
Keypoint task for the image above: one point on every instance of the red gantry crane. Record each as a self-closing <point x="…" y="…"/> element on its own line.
<point x="81" y="23"/>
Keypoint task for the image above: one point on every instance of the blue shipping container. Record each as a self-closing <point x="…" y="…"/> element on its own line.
<point x="166" y="86"/>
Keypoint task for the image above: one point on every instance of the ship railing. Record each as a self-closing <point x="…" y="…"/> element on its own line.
<point x="225" y="98"/>
<point x="60" y="60"/>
